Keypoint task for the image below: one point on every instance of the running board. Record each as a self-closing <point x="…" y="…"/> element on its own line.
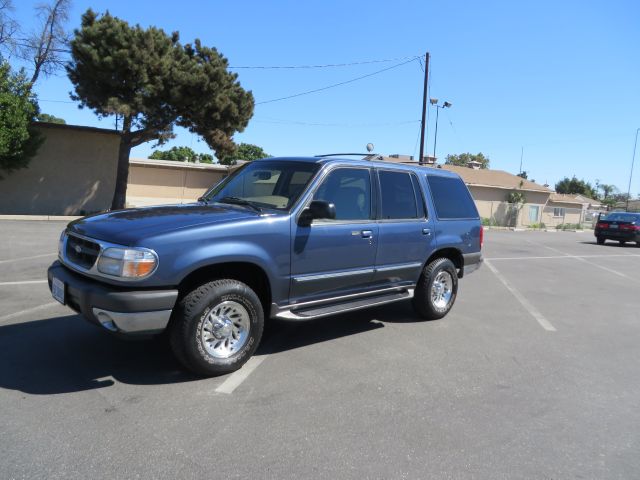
<point x="310" y="313"/>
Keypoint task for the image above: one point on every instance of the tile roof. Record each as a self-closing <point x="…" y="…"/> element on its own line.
<point x="494" y="178"/>
<point x="565" y="198"/>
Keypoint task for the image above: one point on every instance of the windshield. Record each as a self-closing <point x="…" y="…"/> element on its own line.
<point x="621" y="217"/>
<point x="265" y="184"/>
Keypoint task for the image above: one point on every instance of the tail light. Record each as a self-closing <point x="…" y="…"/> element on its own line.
<point x="481" y="235"/>
<point x="630" y="227"/>
<point x="602" y="225"/>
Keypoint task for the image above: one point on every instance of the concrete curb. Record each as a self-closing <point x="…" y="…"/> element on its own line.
<point x="39" y="217"/>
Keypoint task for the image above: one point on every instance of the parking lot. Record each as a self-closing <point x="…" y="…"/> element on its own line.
<point x="534" y="374"/>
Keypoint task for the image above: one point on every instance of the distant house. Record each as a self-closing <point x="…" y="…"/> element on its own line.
<point x="563" y="208"/>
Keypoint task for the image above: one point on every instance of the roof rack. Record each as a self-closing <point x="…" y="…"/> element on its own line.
<point x="372" y="156"/>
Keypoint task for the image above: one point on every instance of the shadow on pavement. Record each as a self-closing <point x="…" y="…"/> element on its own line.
<point x="67" y="354"/>
<point x="611" y="243"/>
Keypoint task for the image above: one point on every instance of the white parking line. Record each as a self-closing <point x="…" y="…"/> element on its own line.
<point x="239" y="376"/>
<point x="564" y="255"/>
<point x="28" y="258"/>
<point x="27" y="311"/>
<point x="582" y="259"/>
<point x="533" y="311"/>
<point x="22" y="282"/>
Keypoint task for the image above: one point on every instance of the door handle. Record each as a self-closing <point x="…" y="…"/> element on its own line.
<point x="426" y="231"/>
<point x="367" y="234"/>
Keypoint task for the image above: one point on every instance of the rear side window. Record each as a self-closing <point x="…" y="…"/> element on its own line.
<point x="451" y="198"/>
<point x="398" y="198"/>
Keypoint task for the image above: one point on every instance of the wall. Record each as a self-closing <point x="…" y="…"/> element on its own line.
<point x="73" y="173"/>
<point x="572" y="214"/>
<point x="491" y="204"/>
<point x="157" y="182"/>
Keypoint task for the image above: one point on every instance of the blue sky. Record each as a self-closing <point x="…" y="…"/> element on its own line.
<point x="559" y="78"/>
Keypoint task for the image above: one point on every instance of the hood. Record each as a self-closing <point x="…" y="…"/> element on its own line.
<point x="127" y="227"/>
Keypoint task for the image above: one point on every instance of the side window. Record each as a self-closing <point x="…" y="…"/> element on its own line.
<point x="451" y="198"/>
<point x="419" y="197"/>
<point x="349" y="189"/>
<point x="398" y="199"/>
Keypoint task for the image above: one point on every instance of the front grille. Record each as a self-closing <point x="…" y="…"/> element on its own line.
<point x="81" y="252"/>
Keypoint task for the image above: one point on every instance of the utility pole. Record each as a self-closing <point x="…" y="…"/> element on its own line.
<point x="521" y="155"/>
<point x="424" y="107"/>
<point x="631" y="174"/>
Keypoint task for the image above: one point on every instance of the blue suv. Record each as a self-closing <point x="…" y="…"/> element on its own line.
<point x="289" y="238"/>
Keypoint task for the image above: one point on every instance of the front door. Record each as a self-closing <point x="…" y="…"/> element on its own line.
<point x="336" y="257"/>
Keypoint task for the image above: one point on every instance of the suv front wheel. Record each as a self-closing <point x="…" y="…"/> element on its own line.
<point x="217" y="327"/>
<point x="436" y="290"/>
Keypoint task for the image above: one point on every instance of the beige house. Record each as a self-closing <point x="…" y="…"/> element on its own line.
<point x="563" y="208"/>
<point x="73" y="173"/>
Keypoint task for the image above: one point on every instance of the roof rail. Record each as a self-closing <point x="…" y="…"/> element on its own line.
<point x="372" y="156"/>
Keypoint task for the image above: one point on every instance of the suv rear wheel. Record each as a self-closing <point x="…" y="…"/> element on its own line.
<point x="436" y="290"/>
<point x="217" y="327"/>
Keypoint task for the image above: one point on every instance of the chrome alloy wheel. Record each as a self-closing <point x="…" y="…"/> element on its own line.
<point x="226" y="329"/>
<point x="442" y="290"/>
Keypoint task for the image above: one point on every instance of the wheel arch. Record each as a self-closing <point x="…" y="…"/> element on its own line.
<point x="452" y="254"/>
<point x="248" y="273"/>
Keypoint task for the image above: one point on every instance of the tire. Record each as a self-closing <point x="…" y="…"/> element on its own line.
<point x="441" y="275"/>
<point x="600" y="240"/>
<point x="217" y="327"/>
<point x="621" y="242"/>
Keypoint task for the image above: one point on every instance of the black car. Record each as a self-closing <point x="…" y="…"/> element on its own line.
<point x="620" y="226"/>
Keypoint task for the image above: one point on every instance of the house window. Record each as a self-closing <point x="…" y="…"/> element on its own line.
<point x="558" y="211"/>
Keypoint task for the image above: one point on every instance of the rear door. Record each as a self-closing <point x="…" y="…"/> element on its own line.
<point x="406" y="235"/>
<point x="336" y="257"/>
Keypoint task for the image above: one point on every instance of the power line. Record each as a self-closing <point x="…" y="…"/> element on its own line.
<point x="277" y="121"/>
<point x="336" y="84"/>
<point x="329" y="65"/>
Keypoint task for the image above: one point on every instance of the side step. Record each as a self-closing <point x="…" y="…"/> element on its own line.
<point x="345" y="306"/>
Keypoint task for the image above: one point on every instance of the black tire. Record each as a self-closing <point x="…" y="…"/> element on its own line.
<point x="423" y="301"/>
<point x="621" y="242"/>
<point x="193" y="319"/>
<point x="600" y="240"/>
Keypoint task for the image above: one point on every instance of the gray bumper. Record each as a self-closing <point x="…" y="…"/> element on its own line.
<point x="472" y="262"/>
<point x="123" y="310"/>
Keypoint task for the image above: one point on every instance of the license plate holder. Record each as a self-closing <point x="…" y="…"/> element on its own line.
<point x="58" y="290"/>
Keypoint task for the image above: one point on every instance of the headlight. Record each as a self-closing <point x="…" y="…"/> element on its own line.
<point x="127" y="262"/>
<point x="63" y="235"/>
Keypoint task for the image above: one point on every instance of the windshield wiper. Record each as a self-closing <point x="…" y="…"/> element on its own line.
<point x="240" y="201"/>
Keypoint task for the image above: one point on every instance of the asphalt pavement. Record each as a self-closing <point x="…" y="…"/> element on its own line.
<point x="533" y="374"/>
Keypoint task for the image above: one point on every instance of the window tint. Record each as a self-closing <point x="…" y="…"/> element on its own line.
<point x="349" y="189"/>
<point x="398" y="198"/>
<point x="451" y="198"/>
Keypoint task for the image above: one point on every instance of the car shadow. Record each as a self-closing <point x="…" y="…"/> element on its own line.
<point x="610" y="243"/>
<point x="67" y="354"/>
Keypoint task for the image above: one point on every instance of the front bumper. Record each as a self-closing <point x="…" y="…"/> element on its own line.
<point x="117" y="309"/>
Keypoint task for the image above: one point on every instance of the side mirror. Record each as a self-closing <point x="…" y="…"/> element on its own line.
<point x="316" y="210"/>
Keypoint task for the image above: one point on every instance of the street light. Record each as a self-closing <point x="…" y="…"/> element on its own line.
<point x="434" y="102"/>
<point x="633" y="159"/>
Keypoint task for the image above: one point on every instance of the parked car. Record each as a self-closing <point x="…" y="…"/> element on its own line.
<point x="289" y="238"/>
<point x="620" y="226"/>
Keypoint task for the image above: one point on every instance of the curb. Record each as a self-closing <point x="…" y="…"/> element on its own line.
<point x="39" y="217"/>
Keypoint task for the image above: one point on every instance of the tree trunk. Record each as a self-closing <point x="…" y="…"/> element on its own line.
<point x="122" y="175"/>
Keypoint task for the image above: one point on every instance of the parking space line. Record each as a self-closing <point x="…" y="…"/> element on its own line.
<point x="22" y="282"/>
<point x="236" y="378"/>
<point x="581" y="259"/>
<point x="564" y="255"/>
<point x="27" y="311"/>
<point x="28" y="258"/>
<point x="533" y="311"/>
